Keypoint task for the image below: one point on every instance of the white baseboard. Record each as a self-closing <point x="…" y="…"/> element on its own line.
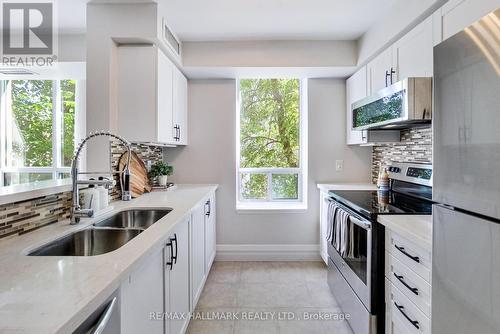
<point x="268" y="253"/>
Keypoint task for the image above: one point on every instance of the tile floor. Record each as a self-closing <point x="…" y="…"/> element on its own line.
<point x="276" y="290"/>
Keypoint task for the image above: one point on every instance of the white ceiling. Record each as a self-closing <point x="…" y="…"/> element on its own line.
<point x="219" y="20"/>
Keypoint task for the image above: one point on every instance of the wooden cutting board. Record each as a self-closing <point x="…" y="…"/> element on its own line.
<point x="139" y="180"/>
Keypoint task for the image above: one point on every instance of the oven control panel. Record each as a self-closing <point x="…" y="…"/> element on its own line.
<point x="411" y="172"/>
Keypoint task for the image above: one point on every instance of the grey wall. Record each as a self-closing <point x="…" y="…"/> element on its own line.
<point x="210" y="158"/>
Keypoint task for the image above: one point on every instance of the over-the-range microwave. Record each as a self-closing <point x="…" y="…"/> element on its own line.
<point x="405" y="104"/>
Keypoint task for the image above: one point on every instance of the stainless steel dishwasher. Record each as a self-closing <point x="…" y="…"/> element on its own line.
<point x="104" y="320"/>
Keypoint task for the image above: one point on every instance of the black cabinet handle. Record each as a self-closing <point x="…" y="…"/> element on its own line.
<point x="401" y="279"/>
<point x="392" y="72"/>
<point x="207" y="208"/>
<point x="413" y="322"/>
<point x="179" y="135"/>
<point x="171" y="262"/>
<point x="402" y="250"/>
<point x="172" y="240"/>
<point x="386" y="76"/>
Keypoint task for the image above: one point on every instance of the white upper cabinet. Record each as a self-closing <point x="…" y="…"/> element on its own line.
<point x="381" y="71"/>
<point x="456" y="15"/>
<point x="152" y="96"/>
<point x="412" y="54"/>
<point x="355" y="90"/>
<point x="180" y="90"/>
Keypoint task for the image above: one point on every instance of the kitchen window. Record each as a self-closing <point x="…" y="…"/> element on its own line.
<point x="37" y="130"/>
<point x="271" y="144"/>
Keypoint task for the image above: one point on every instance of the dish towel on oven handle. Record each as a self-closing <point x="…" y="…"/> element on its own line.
<point x="341" y="233"/>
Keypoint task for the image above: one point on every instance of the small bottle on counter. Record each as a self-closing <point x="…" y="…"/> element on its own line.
<point x="383" y="180"/>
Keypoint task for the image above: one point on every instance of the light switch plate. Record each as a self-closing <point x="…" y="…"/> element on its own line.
<point x="339" y="165"/>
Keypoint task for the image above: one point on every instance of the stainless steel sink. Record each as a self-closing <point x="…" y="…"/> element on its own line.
<point x="134" y="218"/>
<point x="106" y="236"/>
<point x="88" y="242"/>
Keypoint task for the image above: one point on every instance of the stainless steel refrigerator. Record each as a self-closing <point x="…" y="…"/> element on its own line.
<point x="466" y="225"/>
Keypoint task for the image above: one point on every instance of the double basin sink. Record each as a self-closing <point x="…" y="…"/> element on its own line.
<point x="104" y="236"/>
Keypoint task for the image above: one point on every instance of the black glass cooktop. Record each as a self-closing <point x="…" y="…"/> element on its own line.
<point x="372" y="203"/>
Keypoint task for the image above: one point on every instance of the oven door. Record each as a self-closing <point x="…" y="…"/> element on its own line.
<point x="355" y="265"/>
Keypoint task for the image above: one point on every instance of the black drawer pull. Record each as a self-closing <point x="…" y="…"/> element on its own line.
<point x="402" y="250"/>
<point x="413" y="322"/>
<point x="401" y="279"/>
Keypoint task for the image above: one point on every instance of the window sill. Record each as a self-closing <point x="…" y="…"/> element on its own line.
<point x="27" y="191"/>
<point x="270" y="208"/>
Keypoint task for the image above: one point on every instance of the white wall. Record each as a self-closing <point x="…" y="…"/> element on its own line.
<point x="269" y="54"/>
<point x="210" y="158"/>
<point x="72" y="48"/>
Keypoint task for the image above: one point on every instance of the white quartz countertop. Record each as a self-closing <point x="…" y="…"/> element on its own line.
<point x="52" y="294"/>
<point x="346" y="186"/>
<point x="416" y="228"/>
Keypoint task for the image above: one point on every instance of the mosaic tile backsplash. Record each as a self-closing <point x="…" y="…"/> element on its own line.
<point x="415" y="146"/>
<point x="23" y="217"/>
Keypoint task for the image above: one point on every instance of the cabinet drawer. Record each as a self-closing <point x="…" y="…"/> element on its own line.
<point x="404" y="316"/>
<point x="414" y="287"/>
<point x="411" y="255"/>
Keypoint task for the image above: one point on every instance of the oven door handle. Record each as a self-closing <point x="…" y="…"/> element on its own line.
<point x="361" y="223"/>
<point x="355" y="218"/>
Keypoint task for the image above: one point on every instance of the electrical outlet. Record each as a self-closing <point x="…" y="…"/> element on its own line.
<point x="339" y="165"/>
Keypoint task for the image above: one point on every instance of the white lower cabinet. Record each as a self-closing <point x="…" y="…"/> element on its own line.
<point x="177" y="279"/>
<point x="197" y="257"/>
<point x="203" y="245"/>
<point x="155" y="298"/>
<point x="158" y="296"/>
<point x="323" y="225"/>
<point x="407" y="286"/>
<point x="142" y="296"/>
<point x="210" y="231"/>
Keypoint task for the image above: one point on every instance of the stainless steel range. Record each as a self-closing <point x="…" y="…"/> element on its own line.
<point x="356" y="241"/>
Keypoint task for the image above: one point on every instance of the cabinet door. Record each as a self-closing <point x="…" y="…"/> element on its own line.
<point x="356" y="89"/>
<point x="178" y="297"/>
<point x="457" y="15"/>
<point x="377" y="70"/>
<point x="413" y="53"/>
<point x="136" y="90"/>
<point x="142" y="295"/>
<point x="323" y="211"/>
<point x="180" y="107"/>
<point x="165" y="77"/>
<point x="210" y="229"/>
<point x="197" y="253"/>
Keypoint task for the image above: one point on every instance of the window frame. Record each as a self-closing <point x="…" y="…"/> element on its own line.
<point x="270" y="204"/>
<point x="57" y="117"/>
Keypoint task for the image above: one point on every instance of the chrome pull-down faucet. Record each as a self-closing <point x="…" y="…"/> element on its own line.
<point x="76" y="210"/>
